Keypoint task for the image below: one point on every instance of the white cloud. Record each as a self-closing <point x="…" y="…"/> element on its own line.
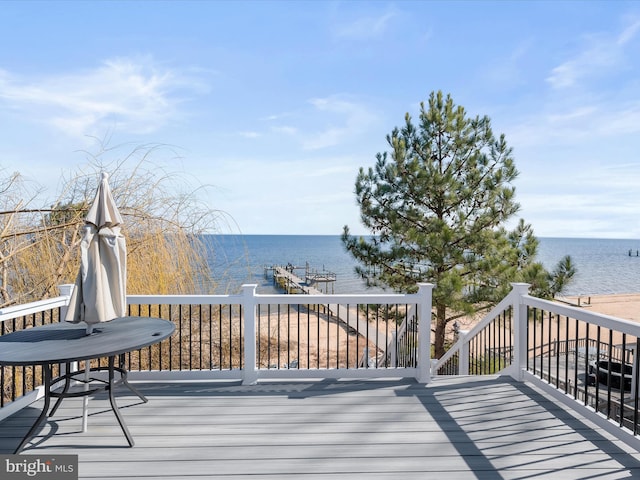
<point x="507" y="71"/>
<point x="596" y="60"/>
<point x="352" y="119"/>
<point x="580" y="214"/>
<point x="277" y="116"/>
<point x="250" y="134"/>
<point x="135" y="96"/>
<point x="588" y="121"/>
<point x="629" y="33"/>
<point x="331" y="121"/>
<point x="624" y="121"/>
<point x="344" y="166"/>
<point x="287" y="130"/>
<point x="602" y="55"/>
<point x="365" y="27"/>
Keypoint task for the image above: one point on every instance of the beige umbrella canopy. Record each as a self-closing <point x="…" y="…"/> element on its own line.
<point x="100" y="290"/>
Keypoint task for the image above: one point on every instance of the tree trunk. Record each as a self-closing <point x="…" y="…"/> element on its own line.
<point x="441" y="323"/>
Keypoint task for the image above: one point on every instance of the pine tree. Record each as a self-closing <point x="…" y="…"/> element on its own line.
<point x="436" y="205"/>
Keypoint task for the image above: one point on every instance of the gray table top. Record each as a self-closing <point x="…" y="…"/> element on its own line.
<point x="69" y="342"/>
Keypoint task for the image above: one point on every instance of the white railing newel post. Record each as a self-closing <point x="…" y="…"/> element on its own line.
<point x="519" y="329"/>
<point x="65" y="290"/>
<point x="425" y="292"/>
<point x="250" y="370"/>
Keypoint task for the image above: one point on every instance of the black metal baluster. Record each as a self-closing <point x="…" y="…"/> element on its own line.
<point x="609" y="373"/>
<point x="549" y="336"/>
<point x="289" y="336"/>
<point x="595" y="370"/>
<point x="279" y="319"/>
<point x="531" y="329"/>
<point x="586" y="363"/>
<point x="348" y="333"/>
<point x="575" y="367"/>
<point x="180" y="336"/>
<point x="328" y="315"/>
<point x="241" y="349"/>
<point x="557" y="350"/>
<point x="636" y="370"/>
<point x="623" y="364"/>
<point x="298" y="347"/>
<point x="309" y="339"/>
<point x="338" y="349"/>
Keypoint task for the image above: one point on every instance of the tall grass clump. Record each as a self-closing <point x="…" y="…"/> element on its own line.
<point x="164" y="220"/>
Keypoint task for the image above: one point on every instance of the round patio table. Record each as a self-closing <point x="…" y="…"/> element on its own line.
<point x="65" y="342"/>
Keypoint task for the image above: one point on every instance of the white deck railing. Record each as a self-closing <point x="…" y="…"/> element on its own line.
<point x="251" y="336"/>
<point x="252" y="316"/>
<point x="585" y="360"/>
<point x="569" y="352"/>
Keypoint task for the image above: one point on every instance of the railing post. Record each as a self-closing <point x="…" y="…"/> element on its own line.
<point x="65" y="291"/>
<point x="433" y="369"/>
<point x="519" y="329"/>
<point x="250" y="371"/>
<point x="425" y="292"/>
<point x="463" y="358"/>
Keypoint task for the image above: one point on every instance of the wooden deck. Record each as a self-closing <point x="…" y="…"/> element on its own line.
<point x="478" y="428"/>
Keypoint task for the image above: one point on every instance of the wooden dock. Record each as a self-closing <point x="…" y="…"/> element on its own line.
<point x="285" y="278"/>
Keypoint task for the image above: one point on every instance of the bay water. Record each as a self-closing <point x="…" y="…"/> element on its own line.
<point x="604" y="266"/>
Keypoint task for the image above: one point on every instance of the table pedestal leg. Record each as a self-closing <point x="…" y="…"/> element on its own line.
<point x="123" y="377"/>
<point x="47" y="398"/>
<point x="114" y="406"/>
<point x="67" y="385"/>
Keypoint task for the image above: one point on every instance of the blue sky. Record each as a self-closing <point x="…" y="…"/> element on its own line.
<point x="276" y="105"/>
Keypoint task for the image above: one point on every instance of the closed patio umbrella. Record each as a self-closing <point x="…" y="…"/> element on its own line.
<point x="100" y="289"/>
<point x="100" y="292"/>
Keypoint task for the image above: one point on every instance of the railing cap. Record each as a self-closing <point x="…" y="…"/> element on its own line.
<point x="520" y="288"/>
<point x="425" y="287"/>
<point x="66" y="289"/>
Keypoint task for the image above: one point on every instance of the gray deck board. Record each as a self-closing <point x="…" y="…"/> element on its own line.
<point x="484" y="428"/>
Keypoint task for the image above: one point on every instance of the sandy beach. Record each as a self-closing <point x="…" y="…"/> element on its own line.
<point x="324" y="339"/>
<point x="625" y="306"/>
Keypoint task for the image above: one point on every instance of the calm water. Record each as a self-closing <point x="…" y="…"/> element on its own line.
<point x="604" y="266"/>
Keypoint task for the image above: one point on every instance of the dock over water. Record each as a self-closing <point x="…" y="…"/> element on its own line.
<point x="286" y="279"/>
